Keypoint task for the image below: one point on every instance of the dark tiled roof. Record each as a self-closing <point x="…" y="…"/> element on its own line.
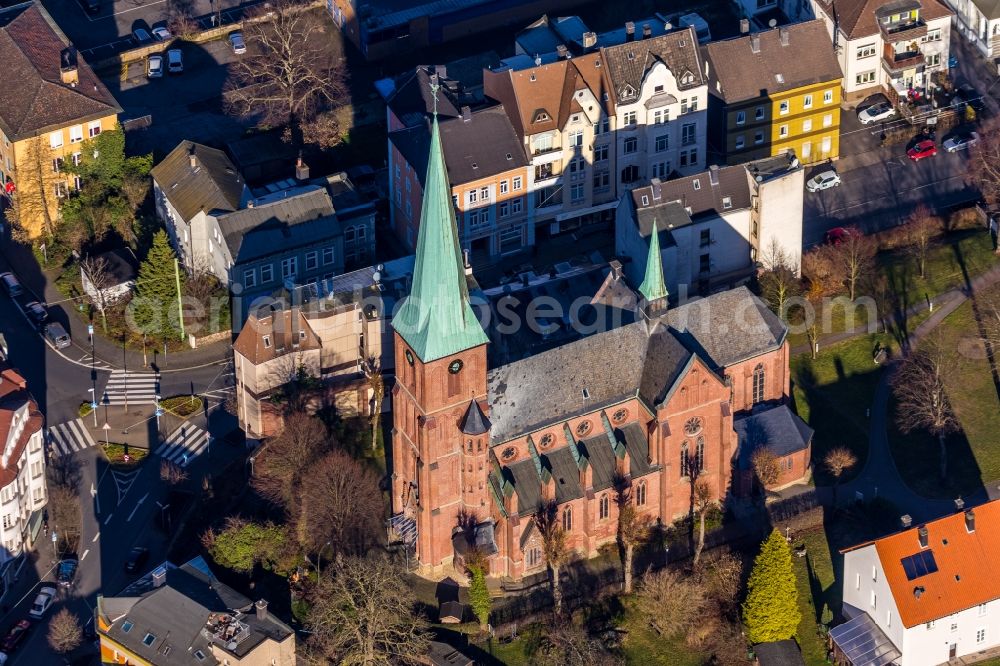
<point x="483" y="146"/>
<point x="601" y="456"/>
<point x="565" y="474"/>
<point x="777" y="428"/>
<point x="303" y="217"/>
<point x="33" y="97"/>
<point x="696" y="192"/>
<point x="413" y="101"/>
<point x="637" y="446"/>
<point x="213" y="184"/>
<point x="857" y="17"/>
<point x="475" y="422"/>
<point x="527" y="485"/>
<point x="743" y="75"/>
<point x="629" y="62"/>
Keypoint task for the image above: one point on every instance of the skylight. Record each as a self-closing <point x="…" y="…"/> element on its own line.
<point x="919" y="565"/>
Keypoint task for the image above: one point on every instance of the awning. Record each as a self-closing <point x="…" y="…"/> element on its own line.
<point x="863" y="643"/>
<point x="585" y="211"/>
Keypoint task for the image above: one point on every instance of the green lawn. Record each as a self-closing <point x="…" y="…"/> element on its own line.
<point x="818" y="590"/>
<point x="973" y="456"/>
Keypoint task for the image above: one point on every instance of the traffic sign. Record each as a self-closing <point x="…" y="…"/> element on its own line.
<point x="90" y="329"/>
<point x="93" y="405"/>
<point x="55" y="537"/>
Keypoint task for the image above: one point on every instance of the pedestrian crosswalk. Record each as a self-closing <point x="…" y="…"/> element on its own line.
<point x="137" y="388"/>
<point x="70" y="437"/>
<point x="184" y="445"/>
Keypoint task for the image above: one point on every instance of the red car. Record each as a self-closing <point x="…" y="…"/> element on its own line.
<point x="15" y="636"/>
<point x="838" y="235"/>
<point x="925" y="148"/>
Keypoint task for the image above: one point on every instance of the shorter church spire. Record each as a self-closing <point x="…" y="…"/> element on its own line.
<point x="653" y="287"/>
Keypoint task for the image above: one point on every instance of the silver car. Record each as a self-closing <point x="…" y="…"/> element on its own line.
<point x="960" y="142"/>
<point x="236" y="41"/>
<point x="823" y="181"/>
<point x="57" y="335"/>
<point x="154" y="67"/>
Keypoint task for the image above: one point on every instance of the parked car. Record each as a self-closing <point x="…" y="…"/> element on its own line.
<point x="66" y="573"/>
<point x="154" y="66"/>
<point x="46" y="594"/>
<point x="141" y="37"/>
<point x="925" y="148"/>
<point x="876" y="112"/>
<point x="838" y="235"/>
<point x="823" y="181"/>
<point x="11" y="284"/>
<point x="36" y="312"/>
<point x="161" y="34"/>
<point x="952" y="62"/>
<point x="971" y="97"/>
<point x="236" y="41"/>
<point x="57" y="335"/>
<point x="136" y="558"/>
<point x="961" y="142"/>
<point x="175" y="61"/>
<point x="15" y="636"/>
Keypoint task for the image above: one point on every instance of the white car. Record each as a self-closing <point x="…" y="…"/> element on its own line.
<point x="46" y="595"/>
<point x="961" y="142"/>
<point x="236" y="41"/>
<point x="154" y="67"/>
<point x="877" y="112"/>
<point x="175" y="61"/>
<point x="161" y="34"/>
<point x="823" y="181"/>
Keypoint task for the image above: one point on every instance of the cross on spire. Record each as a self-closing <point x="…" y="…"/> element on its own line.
<point x="435" y="86"/>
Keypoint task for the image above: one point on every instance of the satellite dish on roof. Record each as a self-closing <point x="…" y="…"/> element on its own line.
<point x="772" y="23"/>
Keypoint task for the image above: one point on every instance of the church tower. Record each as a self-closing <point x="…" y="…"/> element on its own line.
<point x="653" y="287"/>
<point x="440" y="436"/>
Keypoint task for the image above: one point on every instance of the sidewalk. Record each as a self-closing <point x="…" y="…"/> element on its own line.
<point x="21" y="262"/>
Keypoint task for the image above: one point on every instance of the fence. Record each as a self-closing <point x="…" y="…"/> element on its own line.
<point x="195" y="342"/>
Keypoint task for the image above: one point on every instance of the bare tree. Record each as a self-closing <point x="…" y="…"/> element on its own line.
<point x="815" y="301"/>
<point x="338" y="503"/>
<point x="702" y="499"/>
<point x="39" y="178"/>
<point x="171" y="473"/>
<point x="363" y="614"/>
<point x="633" y="530"/>
<point x="988" y="302"/>
<point x="819" y="267"/>
<point x="180" y="17"/>
<point x="671" y="602"/>
<point x="921" y="395"/>
<point x="65" y="632"/>
<point x="64" y="514"/>
<point x="918" y="234"/>
<point x="373" y="373"/>
<point x="288" y="78"/>
<point x="284" y="458"/>
<point x="97" y="272"/>
<point x="568" y="644"/>
<point x="853" y="258"/>
<point x="554" y="546"/>
<point x="765" y="466"/>
<point x="723" y="577"/>
<point x="778" y="281"/>
<point x="837" y="461"/>
<point x="983" y="169"/>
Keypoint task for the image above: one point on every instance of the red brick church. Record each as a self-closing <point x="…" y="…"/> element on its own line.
<point x="652" y="402"/>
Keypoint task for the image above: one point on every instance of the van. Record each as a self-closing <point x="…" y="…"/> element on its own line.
<point x="57" y="335"/>
<point x="11" y="284"/>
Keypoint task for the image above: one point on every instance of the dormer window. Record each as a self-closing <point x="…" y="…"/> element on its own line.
<point x="645" y="200"/>
<point x="687" y="78"/>
<point x="697" y="184"/>
<point x="541" y="116"/>
<point x="628" y="92"/>
<point x="267" y="342"/>
<point x="657" y="89"/>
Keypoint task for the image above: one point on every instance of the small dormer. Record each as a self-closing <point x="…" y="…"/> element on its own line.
<point x="627" y="92"/>
<point x="541" y="116"/>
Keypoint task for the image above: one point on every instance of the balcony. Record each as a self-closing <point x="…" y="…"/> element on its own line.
<point x="546" y="171"/>
<point x="899" y="31"/>
<point x="895" y="62"/>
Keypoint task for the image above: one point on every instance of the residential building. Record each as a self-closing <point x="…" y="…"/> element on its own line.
<point x="327" y="333"/>
<point x="979" y="22"/>
<point x="410" y="100"/>
<point x="185" y="615"/>
<point x="291" y="232"/>
<point x="383" y="29"/>
<point x="887" y="46"/>
<point x="925" y="595"/>
<point x="496" y="441"/>
<point x="488" y="175"/>
<point x="716" y="228"/>
<point x="121" y="268"/>
<point x="22" y="470"/>
<point x="761" y="12"/>
<point x="50" y="103"/>
<point x="775" y="92"/>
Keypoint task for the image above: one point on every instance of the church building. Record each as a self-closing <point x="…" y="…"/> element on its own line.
<point x="648" y="405"/>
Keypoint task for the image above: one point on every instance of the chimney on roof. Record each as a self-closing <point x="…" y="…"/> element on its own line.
<point x="466" y="113"/>
<point x="250" y="203"/>
<point x="905" y="521"/>
<point x="970" y="521"/>
<point x="192" y="158"/>
<point x="441" y="71"/>
<point x="538" y="60"/>
<point x="629" y="31"/>
<point x="562" y="52"/>
<point x="159" y="576"/>
<point x="260" y="608"/>
<point x="959" y="504"/>
<point x="301" y="169"/>
<point x="922" y="536"/>
<point x="744" y="26"/>
<point x="918" y="591"/>
<point x="654" y="186"/>
<point x="647" y="31"/>
<point x="713" y="174"/>
<point x="68" y="72"/>
<point x="755" y="43"/>
<point x="589" y="40"/>
<point x="783" y="35"/>
<point x="616" y="269"/>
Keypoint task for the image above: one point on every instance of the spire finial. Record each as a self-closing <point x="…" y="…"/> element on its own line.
<point x="435" y="86"/>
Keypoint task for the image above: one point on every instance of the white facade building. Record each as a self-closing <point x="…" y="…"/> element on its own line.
<point x="979" y="22"/>
<point x="925" y="595"/>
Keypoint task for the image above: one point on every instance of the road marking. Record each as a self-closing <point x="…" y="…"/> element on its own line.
<point x="137" y="505"/>
<point x="108" y="519"/>
<point x="84" y="556"/>
<point x="125" y="11"/>
<point x="96" y="537"/>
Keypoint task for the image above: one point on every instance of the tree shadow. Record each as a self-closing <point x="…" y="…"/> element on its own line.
<point x="991" y="351"/>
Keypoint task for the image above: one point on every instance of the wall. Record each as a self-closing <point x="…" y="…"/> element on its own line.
<point x="22" y="497"/>
<point x="859" y="586"/>
<point x="823" y="116"/>
<point x="781" y="202"/>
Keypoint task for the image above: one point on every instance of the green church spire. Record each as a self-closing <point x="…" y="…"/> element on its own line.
<point x="653" y="287"/>
<point x="436" y="319"/>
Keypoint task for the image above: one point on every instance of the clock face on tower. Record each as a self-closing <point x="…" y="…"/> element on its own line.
<point x="455" y="367"/>
<point x="409" y="357"/>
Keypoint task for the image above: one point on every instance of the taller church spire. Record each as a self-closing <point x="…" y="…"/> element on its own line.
<point x="653" y="287"/>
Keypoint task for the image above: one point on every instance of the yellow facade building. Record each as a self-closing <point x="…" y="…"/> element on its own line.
<point x="774" y="92"/>
<point x="50" y="103"/>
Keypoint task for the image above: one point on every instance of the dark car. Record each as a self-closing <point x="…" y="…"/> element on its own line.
<point x="36" y="312"/>
<point x="136" y="558"/>
<point x="15" y="636"/>
<point x="67" y="571"/>
<point x="971" y="96"/>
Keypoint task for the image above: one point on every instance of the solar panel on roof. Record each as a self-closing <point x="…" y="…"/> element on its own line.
<point x="920" y="564"/>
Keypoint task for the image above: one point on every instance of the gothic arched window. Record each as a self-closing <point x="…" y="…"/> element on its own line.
<point x="758" y="383"/>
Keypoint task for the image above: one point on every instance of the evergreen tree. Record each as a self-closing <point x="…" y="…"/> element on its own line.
<point x="771" y="611"/>
<point x="479" y="596"/>
<point x="155" y="308"/>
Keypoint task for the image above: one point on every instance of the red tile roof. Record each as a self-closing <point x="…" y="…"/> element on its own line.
<point x="13" y="395"/>
<point x="857" y="17"/>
